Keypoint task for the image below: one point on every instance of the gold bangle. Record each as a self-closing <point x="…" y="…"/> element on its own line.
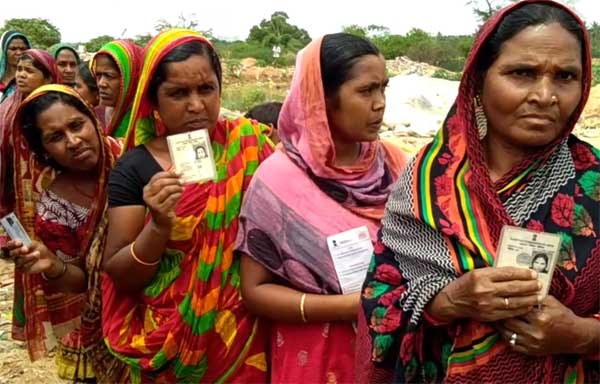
<point x="142" y="262"/>
<point x="302" y="314"/>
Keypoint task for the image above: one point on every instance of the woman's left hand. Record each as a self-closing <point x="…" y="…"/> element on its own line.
<point x="553" y="329"/>
<point x="35" y="258"/>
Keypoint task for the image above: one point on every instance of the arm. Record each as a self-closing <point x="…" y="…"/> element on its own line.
<point x="59" y="275"/>
<point x="265" y="297"/>
<point x="126" y="225"/>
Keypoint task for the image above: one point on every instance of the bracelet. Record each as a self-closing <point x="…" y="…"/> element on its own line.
<point x="302" y="314"/>
<point x="142" y="262"/>
<point x="61" y="274"/>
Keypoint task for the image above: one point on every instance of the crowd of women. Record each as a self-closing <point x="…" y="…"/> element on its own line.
<point x="133" y="276"/>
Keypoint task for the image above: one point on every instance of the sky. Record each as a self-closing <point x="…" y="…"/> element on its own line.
<point x="80" y="21"/>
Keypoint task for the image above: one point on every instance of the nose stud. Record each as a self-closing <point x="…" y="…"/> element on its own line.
<point x="554" y="99"/>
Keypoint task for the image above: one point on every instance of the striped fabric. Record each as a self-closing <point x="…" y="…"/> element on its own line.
<point x="128" y="56"/>
<point x="189" y="324"/>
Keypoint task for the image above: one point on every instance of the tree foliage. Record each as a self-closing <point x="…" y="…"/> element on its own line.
<point x="277" y="31"/>
<point x="40" y="32"/>
<point x="96" y="43"/>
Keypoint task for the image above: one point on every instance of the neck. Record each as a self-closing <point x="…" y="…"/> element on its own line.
<point x="501" y="157"/>
<point x="346" y="152"/>
<point x="9" y="74"/>
<point x="80" y="175"/>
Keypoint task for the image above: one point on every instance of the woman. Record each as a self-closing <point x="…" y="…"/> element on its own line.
<point x="85" y="84"/>
<point x="172" y="284"/>
<point x="61" y="168"/>
<point x="329" y="128"/>
<point x="67" y="60"/>
<point x="116" y="67"/>
<point x="12" y="44"/>
<point x="436" y="310"/>
<point x="539" y="263"/>
<point x="34" y="69"/>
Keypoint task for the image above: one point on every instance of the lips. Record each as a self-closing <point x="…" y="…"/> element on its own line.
<point x="82" y="154"/>
<point x="539" y="117"/>
<point x="104" y="95"/>
<point x="197" y="124"/>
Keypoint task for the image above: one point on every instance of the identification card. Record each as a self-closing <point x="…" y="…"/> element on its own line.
<point x="351" y="252"/>
<point x="14" y="229"/>
<point x="191" y="155"/>
<point x="523" y="248"/>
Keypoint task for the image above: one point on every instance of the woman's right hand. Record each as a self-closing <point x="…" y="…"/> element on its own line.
<point x="161" y="195"/>
<point x="488" y="294"/>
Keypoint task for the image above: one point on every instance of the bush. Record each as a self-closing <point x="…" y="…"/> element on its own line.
<point x="595" y="74"/>
<point x="236" y="97"/>
<point x="446" y="75"/>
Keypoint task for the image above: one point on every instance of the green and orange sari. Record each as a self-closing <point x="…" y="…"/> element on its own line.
<point x="190" y="324"/>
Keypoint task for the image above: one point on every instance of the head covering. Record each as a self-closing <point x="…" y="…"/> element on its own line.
<point x="56" y="48"/>
<point x="445" y="218"/>
<point x="8" y="109"/>
<point x="128" y="56"/>
<point x="201" y="331"/>
<point x="304" y="131"/>
<point x="5" y="40"/>
<point x="143" y="127"/>
<point x="31" y="320"/>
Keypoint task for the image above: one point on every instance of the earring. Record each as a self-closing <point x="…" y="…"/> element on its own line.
<point x="480" y="118"/>
<point x="156" y="115"/>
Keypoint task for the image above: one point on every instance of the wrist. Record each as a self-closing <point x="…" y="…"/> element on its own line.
<point x="57" y="269"/>
<point x="589" y="340"/>
<point x="161" y="227"/>
<point x="443" y="308"/>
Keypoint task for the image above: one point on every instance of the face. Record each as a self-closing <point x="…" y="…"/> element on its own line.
<point x="69" y="137"/>
<point x="108" y="78"/>
<point x="16" y="47"/>
<point x="67" y="65"/>
<point x="28" y="77"/>
<point x="357" y="114"/>
<point x="200" y="153"/>
<point x="189" y="98"/>
<point x="539" y="264"/>
<point x="89" y="95"/>
<point x="533" y="87"/>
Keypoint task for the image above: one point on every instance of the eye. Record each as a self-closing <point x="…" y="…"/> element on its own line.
<point x="77" y="126"/>
<point x="54" y="138"/>
<point x="177" y="93"/>
<point x="524" y="72"/>
<point x="206" y="88"/>
<point x="566" y="76"/>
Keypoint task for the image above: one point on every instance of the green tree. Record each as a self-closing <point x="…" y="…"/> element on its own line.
<point x="142" y="40"/>
<point x="40" y="32"/>
<point x="277" y="31"/>
<point x="183" y="21"/>
<point x="97" y="42"/>
<point x="355" y="30"/>
<point x="484" y="9"/>
<point x="595" y="39"/>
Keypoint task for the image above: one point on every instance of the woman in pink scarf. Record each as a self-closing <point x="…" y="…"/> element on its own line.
<point x="330" y="175"/>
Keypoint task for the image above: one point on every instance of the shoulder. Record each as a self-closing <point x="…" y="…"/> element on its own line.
<point x="586" y="157"/>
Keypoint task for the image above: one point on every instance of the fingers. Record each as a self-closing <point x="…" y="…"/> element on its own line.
<point x="165" y="193"/>
<point x="517" y="288"/>
<point x="511" y="273"/>
<point x="162" y="179"/>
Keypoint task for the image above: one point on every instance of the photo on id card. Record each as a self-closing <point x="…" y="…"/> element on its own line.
<point x="191" y="155"/>
<point x="523" y="248"/>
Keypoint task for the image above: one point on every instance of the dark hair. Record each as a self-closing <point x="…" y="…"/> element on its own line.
<point x="539" y="256"/>
<point x="339" y="53"/>
<point x="266" y="113"/>
<point x="525" y="16"/>
<point x="84" y="72"/>
<point x="179" y="54"/>
<point x="47" y="74"/>
<point x="19" y="37"/>
<point x="31" y="112"/>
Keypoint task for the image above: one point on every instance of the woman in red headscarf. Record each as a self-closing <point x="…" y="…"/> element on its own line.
<point x="34" y="69"/>
<point x="434" y="308"/>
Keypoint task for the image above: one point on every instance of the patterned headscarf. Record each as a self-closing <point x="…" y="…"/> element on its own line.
<point x="128" y="56"/>
<point x="142" y="126"/>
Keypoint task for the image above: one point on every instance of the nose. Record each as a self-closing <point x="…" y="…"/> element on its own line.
<point x="543" y="92"/>
<point x="73" y="140"/>
<point x="379" y="100"/>
<point x="101" y="82"/>
<point x="195" y="103"/>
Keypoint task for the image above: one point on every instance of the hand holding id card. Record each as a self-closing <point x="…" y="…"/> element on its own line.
<point x="191" y="155"/>
<point x="524" y="248"/>
<point x="14" y="229"/>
